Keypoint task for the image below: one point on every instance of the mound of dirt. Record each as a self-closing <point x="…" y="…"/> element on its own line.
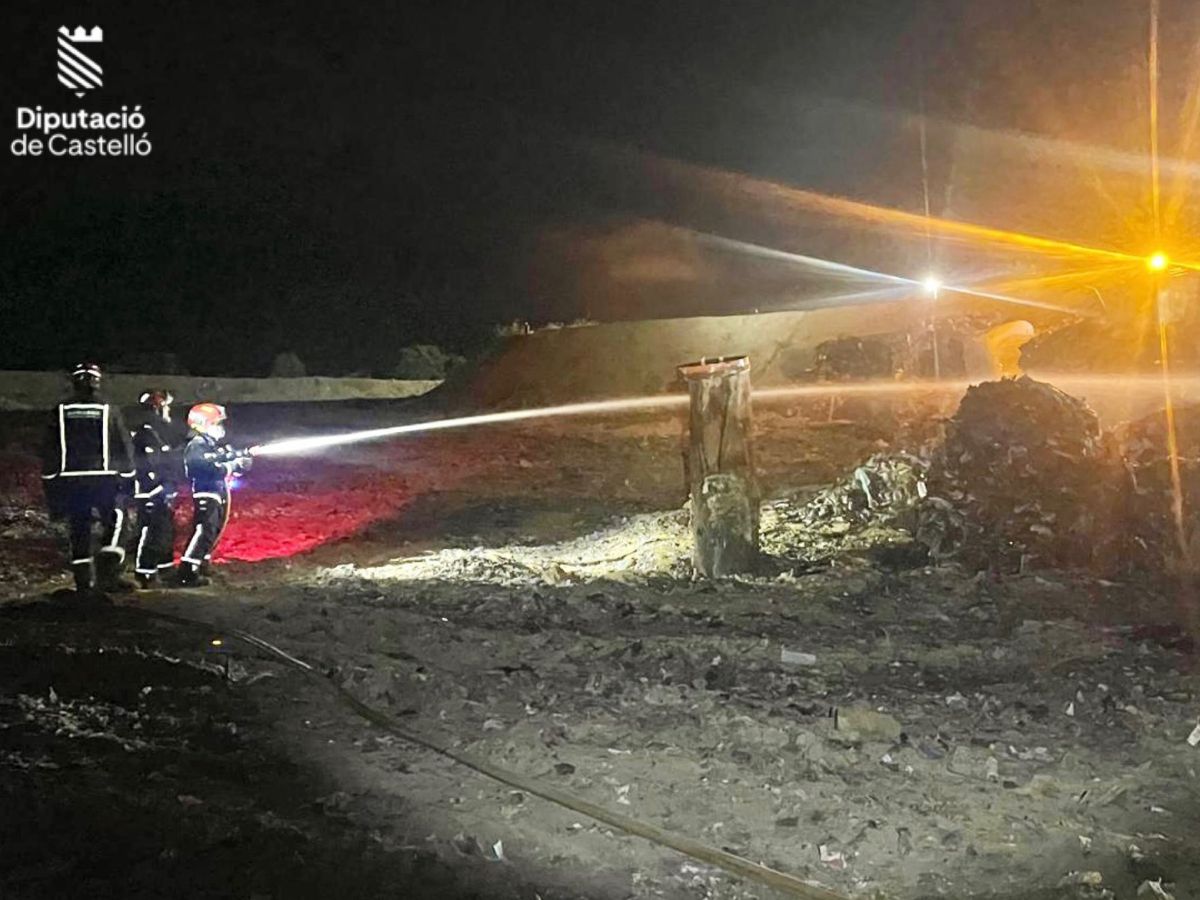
<point x="1092" y="346"/>
<point x="627" y="359"/>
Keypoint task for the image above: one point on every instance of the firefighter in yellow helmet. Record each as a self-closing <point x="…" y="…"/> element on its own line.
<point x="210" y="463"/>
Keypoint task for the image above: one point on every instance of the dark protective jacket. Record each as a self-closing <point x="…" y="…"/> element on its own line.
<point x="86" y="439"/>
<point x="158" y="457"/>
<point x="209" y="464"/>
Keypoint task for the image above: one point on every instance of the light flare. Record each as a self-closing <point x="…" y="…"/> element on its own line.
<point x="744" y="185"/>
<point x="1015" y="301"/>
<point x="844" y="269"/>
<point x="1155" y="192"/>
<point x="1172" y="432"/>
<point x="814" y="262"/>
<point x="948" y="227"/>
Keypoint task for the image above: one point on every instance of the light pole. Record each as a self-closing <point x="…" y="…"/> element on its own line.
<point x="1158" y="264"/>
<point x="933" y="286"/>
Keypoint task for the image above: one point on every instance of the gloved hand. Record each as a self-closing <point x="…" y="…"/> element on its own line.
<point x="237" y="462"/>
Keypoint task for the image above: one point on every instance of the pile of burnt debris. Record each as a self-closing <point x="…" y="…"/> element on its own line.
<point x="1025" y="477"/>
<point x="1159" y="518"/>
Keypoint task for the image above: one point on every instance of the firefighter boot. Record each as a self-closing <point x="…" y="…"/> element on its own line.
<point x="108" y="574"/>
<point x="85" y="576"/>
<point x="189" y="576"/>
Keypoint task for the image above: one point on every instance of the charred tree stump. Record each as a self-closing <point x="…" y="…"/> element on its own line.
<point x="720" y="467"/>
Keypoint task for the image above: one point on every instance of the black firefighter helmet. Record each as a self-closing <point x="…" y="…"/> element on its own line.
<point x="85" y="377"/>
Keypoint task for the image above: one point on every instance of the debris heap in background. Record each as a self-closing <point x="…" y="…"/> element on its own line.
<point x="849" y="358"/>
<point x="1025" y="476"/>
<point x="1143" y="443"/>
<point x="1092" y="345"/>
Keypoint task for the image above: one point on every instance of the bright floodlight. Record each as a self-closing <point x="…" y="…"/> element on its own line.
<point x="932" y="284"/>
<point x="1157" y="262"/>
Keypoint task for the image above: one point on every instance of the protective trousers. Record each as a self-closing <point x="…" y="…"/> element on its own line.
<point x="210" y="510"/>
<point x="156" y="535"/>
<point x="88" y="500"/>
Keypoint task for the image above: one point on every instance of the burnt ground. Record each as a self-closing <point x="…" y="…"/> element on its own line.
<point x="516" y="594"/>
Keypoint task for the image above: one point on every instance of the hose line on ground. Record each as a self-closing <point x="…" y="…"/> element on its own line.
<point x="730" y="862"/>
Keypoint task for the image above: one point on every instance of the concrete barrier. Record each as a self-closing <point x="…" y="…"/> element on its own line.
<point x="21" y="390"/>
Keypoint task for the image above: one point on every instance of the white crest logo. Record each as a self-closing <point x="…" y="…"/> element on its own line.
<point x="77" y="70"/>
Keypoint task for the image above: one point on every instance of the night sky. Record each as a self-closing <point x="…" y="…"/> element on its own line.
<point x="344" y="179"/>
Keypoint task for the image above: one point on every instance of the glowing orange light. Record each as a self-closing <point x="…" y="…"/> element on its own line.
<point x="1158" y="262"/>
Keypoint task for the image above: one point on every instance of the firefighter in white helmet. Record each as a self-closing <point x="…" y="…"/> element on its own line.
<point x="87" y="470"/>
<point x="210" y="464"/>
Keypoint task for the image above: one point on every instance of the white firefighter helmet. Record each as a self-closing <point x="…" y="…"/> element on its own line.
<point x="208" y="418"/>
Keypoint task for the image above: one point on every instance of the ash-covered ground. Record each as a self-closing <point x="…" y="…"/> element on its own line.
<point x="876" y="712"/>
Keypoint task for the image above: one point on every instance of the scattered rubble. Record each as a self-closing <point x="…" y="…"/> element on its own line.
<point x="1154" y="889"/>
<point x="880" y="491"/>
<point x="642" y="546"/>
<point x="797" y="657"/>
<point x="862" y="723"/>
<point x="872" y="510"/>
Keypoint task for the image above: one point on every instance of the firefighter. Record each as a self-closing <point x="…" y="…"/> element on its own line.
<point x="211" y="464"/>
<point x="87" y="471"/>
<point x="158" y="458"/>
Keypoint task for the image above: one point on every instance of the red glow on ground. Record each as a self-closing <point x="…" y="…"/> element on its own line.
<point x="283" y="508"/>
<point x="270" y="522"/>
